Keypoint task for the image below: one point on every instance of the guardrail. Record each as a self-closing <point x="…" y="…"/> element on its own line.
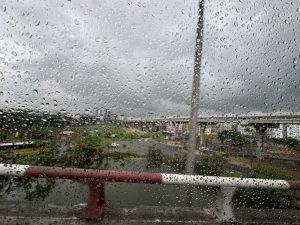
<point x="4" y="146"/>
<point x="96" y="178"/>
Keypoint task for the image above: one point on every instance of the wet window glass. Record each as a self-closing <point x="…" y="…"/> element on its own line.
<point x="146" y="111"/>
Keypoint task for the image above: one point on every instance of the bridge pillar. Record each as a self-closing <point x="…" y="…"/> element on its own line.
<point x="224" y="210"/>
<point x="202" y="128"/>
<point x="260" y="134"/>
<point x="284" y="130"/>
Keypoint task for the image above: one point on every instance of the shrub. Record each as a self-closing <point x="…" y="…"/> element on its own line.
<point x="266" y="198"/>
<point x="120" y="155"/>
<point x="176" y="162"/>
<point x="212" y="165"/>
<point x="93" y="141"/>
<point x="267" y="171"/>
<point x="289" y="142"/>
<point x="38" y="144"/>
<point x="87" y="151"/>
<point x="3" y="135"/>
<point x="117" y="132"/>
<point x="154" y="156"/>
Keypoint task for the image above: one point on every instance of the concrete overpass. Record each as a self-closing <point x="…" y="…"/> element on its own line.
<point x="243" y="119"/>
<point x="261" y="121"/>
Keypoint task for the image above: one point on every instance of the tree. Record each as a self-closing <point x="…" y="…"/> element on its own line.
<point x="289" y="142"/>
<point x="234" y="137"/>
<point x="154" y="157"/>
<point x="211" y="165"/>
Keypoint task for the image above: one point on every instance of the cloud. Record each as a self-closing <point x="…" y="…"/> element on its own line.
<point x="135" y="57"/>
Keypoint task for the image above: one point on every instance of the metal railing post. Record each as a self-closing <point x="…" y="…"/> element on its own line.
<point x="96" y="201"/>
<point x="224" y="211"/>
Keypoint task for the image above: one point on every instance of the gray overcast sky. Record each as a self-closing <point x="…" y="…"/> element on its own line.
<point x="135" y="57"/>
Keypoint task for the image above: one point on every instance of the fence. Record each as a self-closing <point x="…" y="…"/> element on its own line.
<point x="96" y="178"/>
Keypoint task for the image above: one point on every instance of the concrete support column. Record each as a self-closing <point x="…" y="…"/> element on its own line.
<point x="260" y="134"/>
<point x="224" y="210"/>
<point x="202" y="128"/>
<point x="259" y="140"/>
<point x="284" y="130"/>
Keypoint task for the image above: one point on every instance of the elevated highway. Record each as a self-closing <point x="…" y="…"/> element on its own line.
<point x="261" y="121"/>
<point x="243" y="119"/>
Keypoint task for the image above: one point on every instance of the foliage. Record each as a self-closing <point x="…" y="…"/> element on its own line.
<point x="94" y="141"/>
<point x="289" y="142"/>
<point x="38" y="144"/>
<point x="267" y="171"/>
<point x="212" y="165"/>
<point x="39" y="132"/>
<point x="87" y="151"/>
<point x="116" y="132"/>
<point x="278" y="141"/>
<point x="154" y="157"/>
<point x="28" y="123"/>
<point x="33" y="187"/>
<point x="232" y="136"/>
<point x="232" y="174"/>
<point x="111" y="132"/>
<point x="266" y="198"/>
<point x="84" y="152"/>
<point x="3" y="135"/>
<point x="120" y="155"/>
<point x="176" y="162"/>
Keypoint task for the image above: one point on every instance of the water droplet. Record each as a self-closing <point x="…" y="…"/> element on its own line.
<point x="295" y="61"/>
<point x="1" y="93"/>
<point x="35" y="91"/>
<point x="76" y="22"/>
<point x="97" y="39"/>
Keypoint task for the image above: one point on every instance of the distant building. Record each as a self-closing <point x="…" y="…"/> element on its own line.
<point x="292" y="130"/>
<point x="246" y="130"/>
<point x="100" y="114"/>
<point x="121" y="117"/>
<point x="113" y="117"/>
<point x="103" y="114"/>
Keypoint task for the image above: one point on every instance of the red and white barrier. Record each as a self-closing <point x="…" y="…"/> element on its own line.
<point x="96" y="178"/>
<point x="142" y="177"/>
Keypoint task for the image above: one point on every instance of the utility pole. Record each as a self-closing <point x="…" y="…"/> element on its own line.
<point x="193" y="123"/>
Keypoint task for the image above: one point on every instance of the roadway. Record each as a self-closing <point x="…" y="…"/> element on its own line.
<point x="38" y="213"/>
